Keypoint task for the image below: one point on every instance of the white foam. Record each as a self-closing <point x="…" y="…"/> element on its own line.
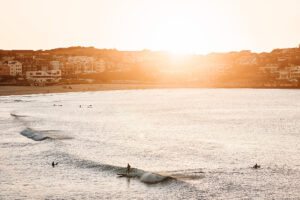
<point x="152" y="178"/>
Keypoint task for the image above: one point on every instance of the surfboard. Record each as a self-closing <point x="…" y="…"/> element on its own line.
<point x="124" y="175"/>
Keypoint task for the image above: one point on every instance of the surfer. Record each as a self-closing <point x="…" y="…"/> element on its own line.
<point x="128" y="169"/>
<point x="53" y="164"/>
<point x="256" y="166"/>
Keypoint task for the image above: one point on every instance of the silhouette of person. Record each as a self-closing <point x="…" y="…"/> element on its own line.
<point x="53" y="164"/>
<point x="256" y="166"/>
<point x="128" y="168"/>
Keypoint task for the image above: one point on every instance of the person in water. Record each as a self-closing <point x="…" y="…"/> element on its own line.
<point x="256" y="166"/>
<point x="128" y="169"/>
<point x="53" y="164"/>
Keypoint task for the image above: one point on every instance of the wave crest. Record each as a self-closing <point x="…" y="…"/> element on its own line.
<point x="34" y="135"/>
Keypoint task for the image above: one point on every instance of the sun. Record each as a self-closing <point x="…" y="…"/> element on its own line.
<point x="180" y="36"/>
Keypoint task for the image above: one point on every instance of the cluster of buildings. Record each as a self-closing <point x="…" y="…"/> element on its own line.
<point x="279" y="67"/>
<point x="11" y="68"/>
<point x="45" y="68"/>
<point x="52" y="66"/>
<point x="289" y="73"/>
<point x="284" y="66"/>
<point x="82" y="65"/>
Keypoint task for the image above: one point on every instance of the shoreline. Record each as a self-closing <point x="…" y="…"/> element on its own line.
<point x="23" y="90"/>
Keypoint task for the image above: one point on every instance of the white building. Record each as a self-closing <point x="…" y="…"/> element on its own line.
<point x="15" y="67"/>
<point x="43" y="77"/>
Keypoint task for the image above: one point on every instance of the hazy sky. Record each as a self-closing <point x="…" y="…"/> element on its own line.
<point x="190" y="26"/>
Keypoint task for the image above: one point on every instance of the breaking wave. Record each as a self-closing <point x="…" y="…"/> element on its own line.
<point x="43" y="135"/>
<point x="17" y="116"/>
<point x="138" y="174"/>
<point x="118" y="171"/>
<point x="34" y="135"/>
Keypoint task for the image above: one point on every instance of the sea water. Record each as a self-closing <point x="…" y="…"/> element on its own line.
<point x="201" y="143"/>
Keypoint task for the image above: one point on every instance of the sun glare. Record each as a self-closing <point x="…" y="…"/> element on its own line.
<point x="183" y="34"/>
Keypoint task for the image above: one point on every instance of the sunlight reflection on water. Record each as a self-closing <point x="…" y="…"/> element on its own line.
<point x="207" y="139"/>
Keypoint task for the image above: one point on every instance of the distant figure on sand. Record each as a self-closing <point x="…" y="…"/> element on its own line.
<point x="53" y="164"/>
<point x="256" y="166"/>
<point x="128" y="168"/>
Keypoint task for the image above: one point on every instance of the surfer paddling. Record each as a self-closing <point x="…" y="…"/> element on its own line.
<point x="53" y="164"/>
<point x="256" y="166"/>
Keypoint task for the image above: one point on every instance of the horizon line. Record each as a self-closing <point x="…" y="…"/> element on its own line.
<point x="153" y="50"/>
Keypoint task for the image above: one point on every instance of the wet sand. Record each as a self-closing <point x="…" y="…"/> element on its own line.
<point x="20" y="90"/>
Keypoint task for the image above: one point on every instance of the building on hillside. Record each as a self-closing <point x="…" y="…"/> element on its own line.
<point x="247" y="60"/>
<point x="15" y="67"/>
<point x="7" y="58"/>
<point x="137" y="56"/>
<point x="4" y="70"/>
<point x="55" y="65"/>
<point x="84" y="59"/>
<point x="78" y="65"/>
<point x="295" y="72"/>
<point x="129" y="56"/>
<point x="270" y="68"/>
<point x="218" y="68"/>
<point x="42" y="64"/>
<point x="284" y="74"/>
<point x="99" y="66"/>
<point x="67" y="68"/>
<point x="43" y="77"/>
<point x="282" y="59"/>
<point x="28" y="66"/>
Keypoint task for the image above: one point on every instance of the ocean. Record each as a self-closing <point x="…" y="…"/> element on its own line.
<point x="180" y="144"/>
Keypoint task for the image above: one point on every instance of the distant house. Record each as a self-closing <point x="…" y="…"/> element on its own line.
<point x="83" y="59"/>
<point x="247" y="60"/>
<point x="99" y="66"/>
<point x="295" y="72"/>
<point x="15" y="67"/>
<point x="284" y="74"/>
<point x="28" y="66"/>
<point x="7" y="58"/>
<point x="4" y="70"/>
<point x="55" y="65"/>
<point x="79" y="64"/>
<point x="282" y="59"/>
<point x="42" y="64"/>
<point x="270" y="68"/>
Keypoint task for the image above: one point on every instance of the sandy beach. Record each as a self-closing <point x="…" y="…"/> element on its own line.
<point x="20" y="90"/>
